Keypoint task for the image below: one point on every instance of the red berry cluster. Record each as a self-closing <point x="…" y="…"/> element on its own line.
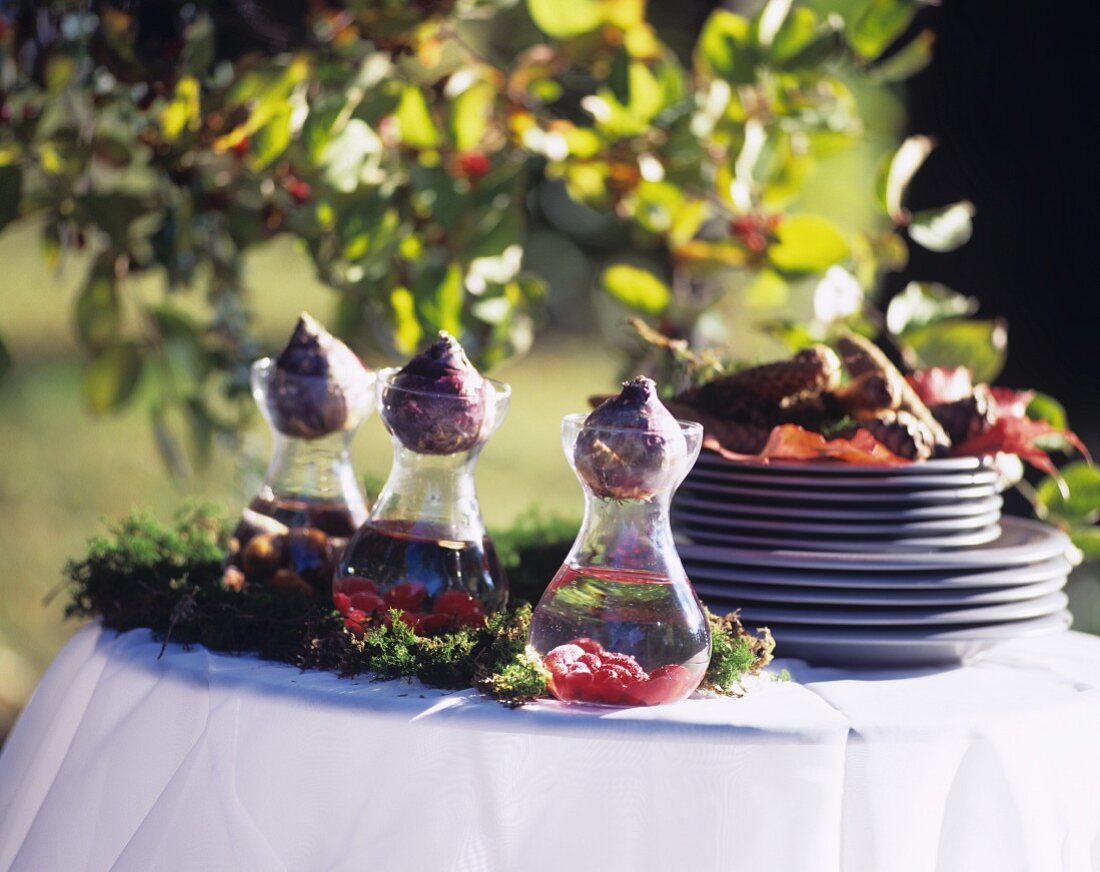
<point x="472" y="165"/>
<point x="755" y="231"/>
<point x="582" y="671"/>
<point x="361" y="605"/>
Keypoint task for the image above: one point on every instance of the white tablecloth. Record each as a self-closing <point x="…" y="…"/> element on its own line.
<point x="200" y="761"/>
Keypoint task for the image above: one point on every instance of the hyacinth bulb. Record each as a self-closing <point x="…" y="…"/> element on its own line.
<point x="629" y="444"/>
<point x="438" y="403"/>
<point x="315" y="383"/>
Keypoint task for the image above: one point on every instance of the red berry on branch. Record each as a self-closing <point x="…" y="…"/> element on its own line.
<point x="299" y="190"/>
<point x="472" y="165"/>
<point x="240" y="148"/>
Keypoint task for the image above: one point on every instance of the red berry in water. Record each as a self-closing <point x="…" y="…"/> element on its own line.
<point x="411" y="619"/>
<point x="669" y="683"/>
<point x="354" y="620"/>
<point x="407" y="596"/>
<point x="429" y="625"/>
<point x="342" y="602"/>
<point x="473" y="165"/>
<point x="592" y="661"/>
<point x="625" y="662"/>
<point x="454" y="603"/>
<point x="354" y="584"/>
<point x="366" y="602"/>
<point x="562" y="656"/>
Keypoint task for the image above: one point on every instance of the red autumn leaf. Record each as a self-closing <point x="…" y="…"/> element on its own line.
<point x="1019" y="435"/>
<point x="941" y="384"/>
<point x="791" y="442"/>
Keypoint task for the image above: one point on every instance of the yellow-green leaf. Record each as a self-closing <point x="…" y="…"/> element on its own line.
<point x="980" y="346"/>
<point x="723" y="49"/>
<point x="415" y="119"/>
<point x="470" y="113"/>
<point x="111" y="376"/>
<point x="563" y="19"/>
<point x="182" y="112"/>
<point x="767" y="290"/>
<point x="807" y="243"/>
<point x="406" y="326"/>
<point x="1081" y="503"/>
<point x="636" y="288"/>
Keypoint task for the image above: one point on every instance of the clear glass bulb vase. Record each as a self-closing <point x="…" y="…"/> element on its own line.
<point x="620" y="624"/>
<point x="424" y="549"/>
<point x="292" y="533"/>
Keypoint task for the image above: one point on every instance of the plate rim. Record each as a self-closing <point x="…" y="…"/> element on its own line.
<point x="872" y="636"/>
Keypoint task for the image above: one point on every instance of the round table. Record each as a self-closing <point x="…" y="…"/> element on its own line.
<point x="204" y="761"/>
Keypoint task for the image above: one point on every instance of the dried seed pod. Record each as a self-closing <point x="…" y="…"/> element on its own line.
<point x="862" y="358"/>
<point x="629" y="444"/>
<point x="315" y="384"/>
<point x="438" y="403"/>
<point x="969" y="417"/>
<point x="756" y="394"/>
<point x="901" y="432"/>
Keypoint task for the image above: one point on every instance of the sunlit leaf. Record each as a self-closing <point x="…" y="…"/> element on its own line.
<point x="875" y="24"/>
<point x="1045" y="408"/>
<point x="350" y="156"/>
<point x="896" y="172"/>
<point x="417" y="127"/>
<point x="807" y="243"/>
<point x="636" y="288"/>
<point x="772" y="16"/>
<point x="1088" y="540"/>
<point x="980" y="346"/>
<point x="767" y="290"/>
<point x="563" y="20"/>
<point x="923" y="302"/>
<point x="406" y="326"/>
<point x="907" y="61"/>
<point x="111" y="376"/>
<point x="270" y="142"/>
<point x="470" y="113"/>
<point x="1081" y="504"/>
<point x="943" y="229"/>
<point x="183" y="111"/>
<point x="723" y="49"/>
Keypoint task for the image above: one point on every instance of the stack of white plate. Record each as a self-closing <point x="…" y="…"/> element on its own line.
<point x="871" y="566"/>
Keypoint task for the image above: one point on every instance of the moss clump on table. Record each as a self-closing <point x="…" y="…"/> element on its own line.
<point x="168" y="579"/>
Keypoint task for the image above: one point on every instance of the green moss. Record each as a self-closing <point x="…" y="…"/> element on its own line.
<point x="168" y="578"/>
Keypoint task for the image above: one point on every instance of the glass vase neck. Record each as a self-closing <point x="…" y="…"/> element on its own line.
<point x="627" y="535"/>
<point x="432" y="494"/>
<point x="315" y="469"/>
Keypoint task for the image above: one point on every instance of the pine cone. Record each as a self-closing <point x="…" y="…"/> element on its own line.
<point x="966" y="418"/>
<point x="901" y="432"/>
<point x="756" y="395"/>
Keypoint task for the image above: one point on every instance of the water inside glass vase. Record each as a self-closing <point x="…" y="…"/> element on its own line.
<point x="425" y="536"/>
<point x="620" y="623"/>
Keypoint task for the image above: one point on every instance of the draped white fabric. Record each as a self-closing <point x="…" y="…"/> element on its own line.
<point x="207" y="761"/>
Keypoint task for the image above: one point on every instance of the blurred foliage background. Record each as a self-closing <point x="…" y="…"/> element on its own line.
<point x="179" y="179"/>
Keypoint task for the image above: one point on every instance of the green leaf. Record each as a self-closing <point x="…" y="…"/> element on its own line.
<point x="111" y="376"/>
<point x="807" y="243"/>
<point x="97" y="312"/>
<point x="723" y="49"/>
<point x="1044" y="407"/>
<point x="5" y="359"/>
<point x="873" y="26"/>
<point x="11" y="194"/>
<point x="772" y="16"/>
<point x="943" y="229"/>
<point x="562" y="20"/>
<point x="351" y="156"/>
<point x="619" y="78"/>
<point x="767" y="290"/>
<point x="895" y="173"/>
<point x="924" y="302"/>
<point x="907" y="61"/>
<point x="415" y="119"/>
<point x="1088" y="540"/>
<point x="470" y="112"/>
<point x="980" y="346"/>
<point x="406" y="326"/>
<point x="183" y="111"/>
<point x="636" y="288"/>
<point x="1081" y="505"/>
<point x="270" y="142"/>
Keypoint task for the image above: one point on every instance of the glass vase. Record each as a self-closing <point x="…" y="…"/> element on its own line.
<point x="620" y="623"/>
<point x="292" y="533"/>
<point x="424" y="549"/>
